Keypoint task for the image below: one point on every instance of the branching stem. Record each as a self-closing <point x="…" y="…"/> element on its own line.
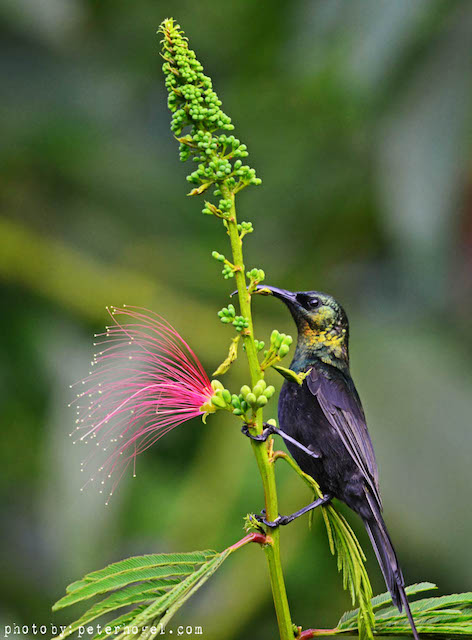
<point x="264" y="462"/>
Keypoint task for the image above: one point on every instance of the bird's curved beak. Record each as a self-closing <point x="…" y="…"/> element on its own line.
<point x="284" y="295"/>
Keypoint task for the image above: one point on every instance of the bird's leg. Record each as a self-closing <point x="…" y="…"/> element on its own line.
<point x="269" y="430"/>
<point x="281" y="520"/>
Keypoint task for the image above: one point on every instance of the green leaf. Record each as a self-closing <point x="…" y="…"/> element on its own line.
<point x="230" y="358"/>
<point x="381" y="601"/>
<point x="385" y="598"/>
<point x="159" y="584"/>
<point x="121" y="621"/>
<point x="290" y="375"/>
<point x="121" y="579"/>
<point x="137" y="593"/>
<point x="137" y="562"/>
<point x="172" y="602"/>
<point x="350" y="560"/>
<point x="443" y="615"/>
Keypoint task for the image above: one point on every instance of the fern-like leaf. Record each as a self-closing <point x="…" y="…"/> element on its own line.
<point x="351" y="559"/>
<point x="158" y="584"/>
<point x="443" y="615"/>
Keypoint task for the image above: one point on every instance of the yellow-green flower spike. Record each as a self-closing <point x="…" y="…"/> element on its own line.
<point x="196" y="109"/>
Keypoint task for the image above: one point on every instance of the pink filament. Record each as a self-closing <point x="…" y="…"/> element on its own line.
<point x="147" y="381"/>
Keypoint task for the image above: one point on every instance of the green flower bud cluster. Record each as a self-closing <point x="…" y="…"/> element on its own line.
<point x="240" y="323"/>
<point x="191" y="96"/>
<point x="244" y="228"/>
<point x="228" y="272"/>
<point x="225" y="205"/>
<point x="280" y="342"/>
<point x="247" y="400"/>
<point x="194" y="104"/>
<point x="254" y="398"/>
<point x="247" y="176"/>
<point x="221" y="399"/>
<point x="209" y="209"/>
<point x="260" y="344"/>
<point x="255" y="277"/>
<point x="228" y="268"/>
<point x="227" y="314"/>
<point x="279" y="347"/>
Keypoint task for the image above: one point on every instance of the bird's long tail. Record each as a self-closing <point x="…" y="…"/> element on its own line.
<point x="388" y="562"/>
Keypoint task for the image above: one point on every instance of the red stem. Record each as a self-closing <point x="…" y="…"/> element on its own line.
<point x="260" y="538"/>
<point x="311" y="633"/>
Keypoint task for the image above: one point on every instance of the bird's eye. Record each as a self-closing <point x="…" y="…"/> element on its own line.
<point x="313" y="303"/>
<point x="308" y="301"/>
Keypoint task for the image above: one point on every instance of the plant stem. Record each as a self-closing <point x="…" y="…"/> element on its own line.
<point x="266" y="468"/>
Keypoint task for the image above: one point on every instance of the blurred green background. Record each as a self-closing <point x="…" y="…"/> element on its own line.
<point x="357" y="115"/>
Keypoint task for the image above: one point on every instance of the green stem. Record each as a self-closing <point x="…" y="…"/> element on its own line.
<point x="266" y="468"/>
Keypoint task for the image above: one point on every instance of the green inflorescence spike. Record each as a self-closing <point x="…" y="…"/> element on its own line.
<point x="196" y="109"/>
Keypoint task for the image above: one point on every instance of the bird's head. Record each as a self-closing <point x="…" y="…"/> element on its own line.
<point x="322" y="323"/>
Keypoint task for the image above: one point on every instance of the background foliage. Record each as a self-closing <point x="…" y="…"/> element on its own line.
<point x="358" y="119"/>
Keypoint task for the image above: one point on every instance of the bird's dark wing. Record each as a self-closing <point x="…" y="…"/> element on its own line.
<point x="340" y="403"/>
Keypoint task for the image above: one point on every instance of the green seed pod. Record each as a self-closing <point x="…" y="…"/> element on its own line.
<point x="216" y="384"/>
<point x="272" y="422"/>
<point x="244" y="406"/>
<point x="235" y="402"/>
<point x="238" y="412"/>
<point x="269" y="392"/>
<point x="226" y="396"/>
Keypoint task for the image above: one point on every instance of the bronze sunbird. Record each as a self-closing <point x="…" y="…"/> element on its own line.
<point x="324" y="415"/>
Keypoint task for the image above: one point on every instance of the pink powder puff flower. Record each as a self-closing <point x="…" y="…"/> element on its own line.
<point x="147" y="380"/>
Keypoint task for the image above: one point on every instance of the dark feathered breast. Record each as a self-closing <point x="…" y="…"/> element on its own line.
<point x="325" y="414"/>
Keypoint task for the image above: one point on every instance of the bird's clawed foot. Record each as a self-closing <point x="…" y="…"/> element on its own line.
<point x="282" y="520"/>
<point x="269" y="430"/>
